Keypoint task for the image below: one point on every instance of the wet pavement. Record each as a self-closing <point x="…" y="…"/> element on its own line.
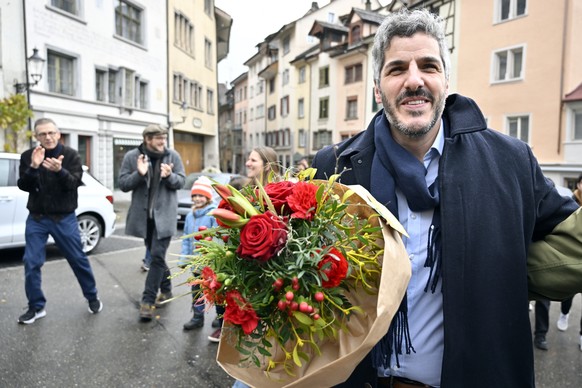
<point x="72" y="348"/>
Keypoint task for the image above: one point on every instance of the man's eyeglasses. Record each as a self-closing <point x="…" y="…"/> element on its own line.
<point x="42" y="135"/>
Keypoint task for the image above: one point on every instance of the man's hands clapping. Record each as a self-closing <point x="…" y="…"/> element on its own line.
<point x="51" y="164"/>
<point x="142" y="167"/>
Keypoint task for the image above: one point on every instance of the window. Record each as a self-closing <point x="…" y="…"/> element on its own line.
<point x="210" y="101"/>
<point x="100" y="84"/>
<point x="128" y="21"/>
<point x="286" y="44"/>
<point x="141" y="94"/>
<point x="196" y="95"/>
<point x="183" y="33"/>
<point x="321" y="138"/>
<point x="331" y="17"/>
<point x="272" y="112"/>
<point x="324" y="108"/>
<point x="508" y="64"/>
<point x="271" y="85"/>
<point x="301" y="108"/>
<point x="302" y="71"/>
<point x="252" y="114"/>
<point x="352" y="108"/>
<point x="285" y="77"/>
<point x="324" y="77"/>
<point x="510" y="9"/>
<point x="260" y="111"/>
<point x="112" y="90"/>
<point x="208" y="7"/>
<point x="284" y="106"/>
<point x="353" y="73"/>
<point x="260" y="87"/>
<point x="70" y="6"/>
<point x="355" y="35"/>
<point x="576" y="123"/>
<point x="61" y="73"/>
<point x="518" y="126"/>
<point x="208" y="58"/>
<point x="301" y="138"/>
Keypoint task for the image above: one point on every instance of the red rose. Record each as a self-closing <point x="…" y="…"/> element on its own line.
<point x="335" y="267"/>
<point x="239" y="312"/>
<point x="278" y="193"/>
<point x="303" y="202"/>
<point x="262" y="237"/>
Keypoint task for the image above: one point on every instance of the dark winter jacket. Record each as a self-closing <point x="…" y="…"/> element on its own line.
<point x="165" y="207"/>
<point x="51" y="193"/>
<point x="494" y="202"/>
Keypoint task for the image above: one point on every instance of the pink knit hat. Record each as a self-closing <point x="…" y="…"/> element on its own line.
<point x="202" y="186"/>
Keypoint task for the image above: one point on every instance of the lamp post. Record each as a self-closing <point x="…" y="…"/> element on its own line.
<point x="35" y="66"/>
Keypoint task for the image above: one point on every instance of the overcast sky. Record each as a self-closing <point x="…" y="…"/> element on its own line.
<point x="253" y="21"/>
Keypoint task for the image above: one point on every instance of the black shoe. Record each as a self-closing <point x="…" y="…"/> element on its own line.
<point x="196" y="322"/>
<point x="541" y="343"/>
<point x="216" y="323"/>
<point x="32" y="315"/>
<point x="95" y="306"/>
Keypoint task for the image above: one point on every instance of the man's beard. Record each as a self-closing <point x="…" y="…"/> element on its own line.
<point x="413" y="132"/>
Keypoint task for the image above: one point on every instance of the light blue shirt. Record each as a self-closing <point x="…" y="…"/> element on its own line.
<point x="425" y="309"/>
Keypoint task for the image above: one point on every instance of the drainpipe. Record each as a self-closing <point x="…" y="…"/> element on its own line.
<point x="30" y="141"/>
<point x="562" y="75"/>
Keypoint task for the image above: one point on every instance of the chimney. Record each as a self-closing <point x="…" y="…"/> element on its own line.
<point x="314" y="6"/>
<point x="368" y="5"/>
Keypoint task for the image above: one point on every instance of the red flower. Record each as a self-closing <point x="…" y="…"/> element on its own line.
<point x="223" y="204"/>
<point x="239" y="312"/>
<point x="335" y="267"/>
<point x="303" y="202"/>
<point x="278" y="193"/>
<point x="262" y="237"/>
<point x="209" y="285"/>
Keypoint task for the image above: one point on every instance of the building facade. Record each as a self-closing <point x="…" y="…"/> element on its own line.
<point x="107" y="71"/>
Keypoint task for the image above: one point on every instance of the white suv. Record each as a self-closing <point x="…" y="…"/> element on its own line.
<point x="95" y="211"/>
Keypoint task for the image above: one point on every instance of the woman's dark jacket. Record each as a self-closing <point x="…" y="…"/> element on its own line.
<point x="51" y="193"/>
<point x="494" y="202"/>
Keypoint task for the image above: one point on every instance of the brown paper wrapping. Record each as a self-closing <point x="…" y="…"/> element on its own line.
<point x="339" y="357"/>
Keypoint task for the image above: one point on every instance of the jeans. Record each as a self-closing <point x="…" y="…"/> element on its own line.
<point x="158" y="277"/>
<point x="65" y="232"/>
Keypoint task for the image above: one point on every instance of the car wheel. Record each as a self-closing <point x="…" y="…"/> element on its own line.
<point x="90" y="230"/>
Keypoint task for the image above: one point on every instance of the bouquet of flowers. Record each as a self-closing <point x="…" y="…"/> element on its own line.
<point x="287" y="262"/>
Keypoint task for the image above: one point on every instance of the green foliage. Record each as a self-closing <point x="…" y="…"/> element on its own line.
<point x="295" y="332"/>
<point x="14" y="115"/>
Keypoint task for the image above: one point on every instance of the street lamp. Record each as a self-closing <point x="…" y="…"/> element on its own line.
<point x="34" y="68"/>
<point x="184" y="110"/>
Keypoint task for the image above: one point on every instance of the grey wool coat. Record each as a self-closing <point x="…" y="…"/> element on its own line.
<point x="166" y="203"/>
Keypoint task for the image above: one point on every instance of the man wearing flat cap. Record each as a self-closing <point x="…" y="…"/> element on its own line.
<point x="153" y="173"/>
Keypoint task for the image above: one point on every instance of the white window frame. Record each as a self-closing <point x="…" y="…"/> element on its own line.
<point x="573" y="109"/>
<point x="78" y="5"/>
<point x="512" y="14"/>
<point x="301" y="108"/>
<point x="139" y="39"/>
<point x="72" y="77"/>
<point x="519" y="130"/>
<point x="508" y="75"/>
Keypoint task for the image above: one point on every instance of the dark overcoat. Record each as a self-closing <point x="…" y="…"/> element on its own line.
<point x="494" y="202"/>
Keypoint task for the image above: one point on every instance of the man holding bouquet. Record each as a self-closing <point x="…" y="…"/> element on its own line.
<point x="474" y="203"/>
